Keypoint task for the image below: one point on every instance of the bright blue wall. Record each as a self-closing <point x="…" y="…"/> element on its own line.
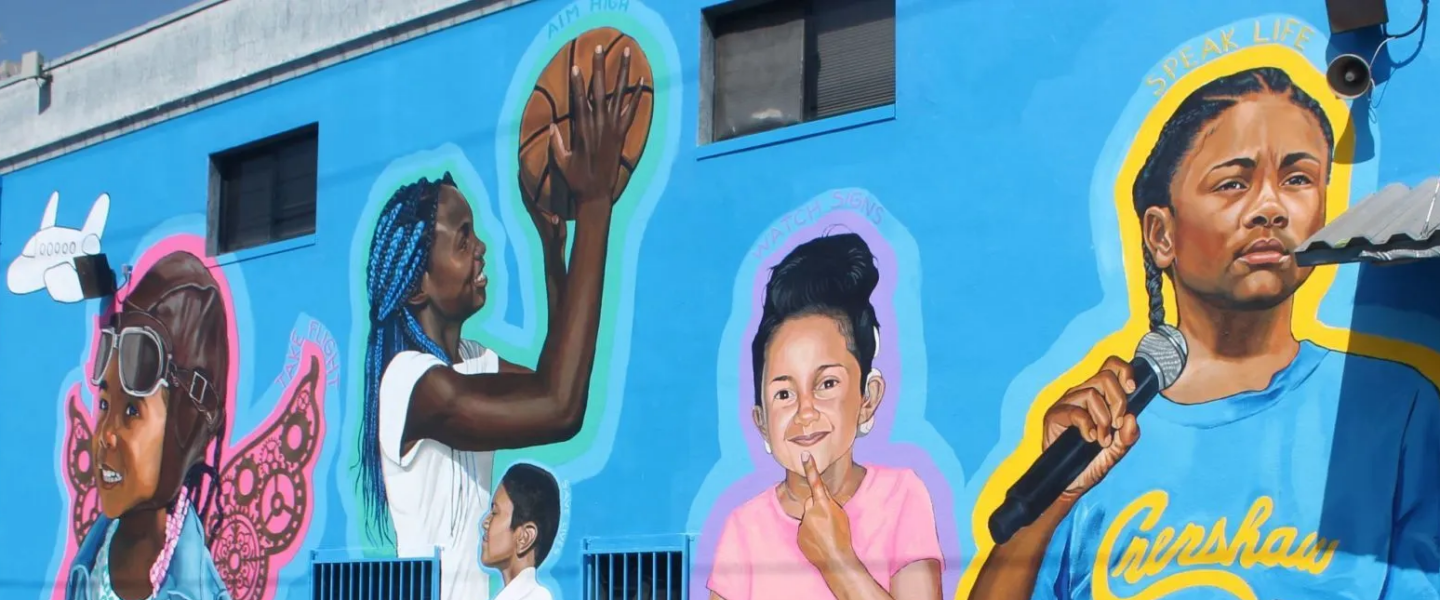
<point x="1003" y="112"/>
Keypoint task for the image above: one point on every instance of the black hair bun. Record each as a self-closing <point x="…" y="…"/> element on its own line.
<point x="836" y="270"/>
<point x="833" y="274"/>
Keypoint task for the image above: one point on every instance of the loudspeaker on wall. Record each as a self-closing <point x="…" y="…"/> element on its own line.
<point x="1348" y="76"/>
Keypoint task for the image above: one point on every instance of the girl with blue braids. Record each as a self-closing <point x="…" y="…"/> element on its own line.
<point x="438" y="406"/>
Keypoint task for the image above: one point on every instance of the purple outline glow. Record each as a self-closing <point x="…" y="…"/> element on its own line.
<point x="874" y="448"/>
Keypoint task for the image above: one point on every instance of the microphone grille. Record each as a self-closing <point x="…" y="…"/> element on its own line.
<point x="1165" y="348"/>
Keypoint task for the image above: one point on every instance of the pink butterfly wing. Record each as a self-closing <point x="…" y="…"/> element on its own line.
<point x="265" y="490"/>
<point x="80" y="467"/>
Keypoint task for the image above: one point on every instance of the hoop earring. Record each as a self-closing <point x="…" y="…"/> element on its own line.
<point x="767" y="447"/>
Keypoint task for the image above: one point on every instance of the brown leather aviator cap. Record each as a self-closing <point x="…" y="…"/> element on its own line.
<point x="179" y="298"/>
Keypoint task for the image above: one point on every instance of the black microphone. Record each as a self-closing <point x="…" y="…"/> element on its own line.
<point x="1159" y="359"/>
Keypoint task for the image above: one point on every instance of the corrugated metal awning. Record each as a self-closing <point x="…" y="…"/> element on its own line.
<point x="1394" y="224"/>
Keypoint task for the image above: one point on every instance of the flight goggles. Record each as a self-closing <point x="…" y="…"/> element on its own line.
<point x="145" y="360"/>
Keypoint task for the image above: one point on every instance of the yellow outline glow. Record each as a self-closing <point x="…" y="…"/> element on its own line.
<point x="1306" y="322"/>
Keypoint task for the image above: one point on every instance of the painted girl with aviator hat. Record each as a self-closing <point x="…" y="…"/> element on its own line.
<point x="160" y="371"/>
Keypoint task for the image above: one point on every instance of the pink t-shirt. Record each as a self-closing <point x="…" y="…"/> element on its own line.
<point x="892" y="524"/>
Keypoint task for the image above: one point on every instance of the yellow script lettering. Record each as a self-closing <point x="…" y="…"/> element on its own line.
<point x="1258" y="39"/>
<point x="1210" y="47"/>
<point x="1184" y="60"/>
<point x="1226" y="42"/>
<point x="1152" y="549"/>
<point x="1302" y="37"/>
<point x="1289" y="29"/>
<point x="1169" y="67"/>
<point x="1159" y="84"/>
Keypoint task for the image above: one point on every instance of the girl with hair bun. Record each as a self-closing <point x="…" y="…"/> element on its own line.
<point x="832" y="527"/>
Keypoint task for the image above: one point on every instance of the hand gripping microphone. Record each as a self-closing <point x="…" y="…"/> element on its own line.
<point x="1158" y="362"/>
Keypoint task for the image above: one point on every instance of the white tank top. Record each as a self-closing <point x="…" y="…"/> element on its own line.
<point x="437" y="495"/>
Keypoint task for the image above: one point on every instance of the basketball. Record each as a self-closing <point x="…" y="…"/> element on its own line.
<point x="549" y="103"/>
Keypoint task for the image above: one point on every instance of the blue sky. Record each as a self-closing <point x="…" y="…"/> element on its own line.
<point x="59" y="27"/>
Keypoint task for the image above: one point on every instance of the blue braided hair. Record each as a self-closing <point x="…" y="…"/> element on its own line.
<point x="399" y="257"/>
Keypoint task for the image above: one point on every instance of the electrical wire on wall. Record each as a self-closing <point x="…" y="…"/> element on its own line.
<point x="1385" y="31"/>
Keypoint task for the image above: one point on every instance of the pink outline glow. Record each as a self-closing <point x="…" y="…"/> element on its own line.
<point x="308" y="350"/>
<point x="72" y="397"/>
<point x="195" y="245"/>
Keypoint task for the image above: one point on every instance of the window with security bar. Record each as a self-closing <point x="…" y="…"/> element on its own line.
<point x="264" y="191"/>
<point x="336" y="577"/>
<point x="775" y="63"/>
<point x="654" y="568"/>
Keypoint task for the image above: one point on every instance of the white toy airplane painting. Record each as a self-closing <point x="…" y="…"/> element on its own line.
<point x="48" y="260"/>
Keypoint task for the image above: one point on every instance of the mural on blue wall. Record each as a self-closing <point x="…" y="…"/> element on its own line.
<point x="830" y="479"/>
<point x="161" y="500"/>
<point x="1289" y="456"/>
<point x="427" y="440"/>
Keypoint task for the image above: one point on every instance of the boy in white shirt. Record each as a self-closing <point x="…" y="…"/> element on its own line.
<point x="520" y="530"/>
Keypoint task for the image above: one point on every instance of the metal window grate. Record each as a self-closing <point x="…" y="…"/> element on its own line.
<point x="637" y="569"/>
<point x="342" y="578"/>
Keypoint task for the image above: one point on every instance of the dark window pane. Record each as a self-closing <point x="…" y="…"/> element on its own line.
<point x="297" y="159"/>
<point x="267" y="193"/>
<point x="853" y="64"/>
<point x="759" y="69"/>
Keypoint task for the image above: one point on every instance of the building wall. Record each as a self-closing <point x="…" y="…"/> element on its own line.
<point x="997" y="199"/>
<point x="209" y="52"/>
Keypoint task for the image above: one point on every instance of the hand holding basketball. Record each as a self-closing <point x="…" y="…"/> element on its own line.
<point x="591" y="165"/>
<point x="550" y="103"/>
